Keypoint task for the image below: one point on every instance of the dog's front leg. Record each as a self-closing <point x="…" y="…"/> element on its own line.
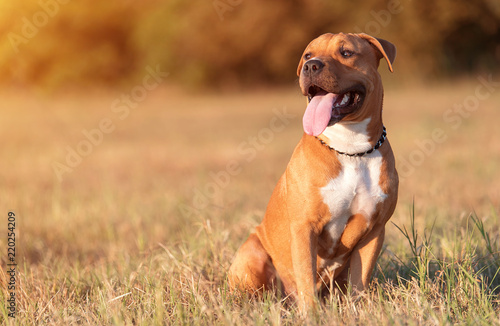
<point x="304" y="254"/>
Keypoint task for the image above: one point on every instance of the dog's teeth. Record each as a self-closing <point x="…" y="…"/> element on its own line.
<point x="345" y="100"/>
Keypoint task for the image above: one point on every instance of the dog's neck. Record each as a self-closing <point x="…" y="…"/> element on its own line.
<point x="353" y="138"/>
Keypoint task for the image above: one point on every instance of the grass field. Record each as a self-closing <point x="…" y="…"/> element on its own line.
<point x="131" y="214"/>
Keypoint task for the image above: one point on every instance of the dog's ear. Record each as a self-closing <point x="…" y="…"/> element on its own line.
<point x="301" y="63"/>
<point x="385" y="48"/>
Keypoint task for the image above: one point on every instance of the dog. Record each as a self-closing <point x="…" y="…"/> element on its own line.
<point x="325" y="222"/>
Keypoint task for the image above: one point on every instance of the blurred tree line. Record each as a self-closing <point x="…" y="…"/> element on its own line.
<point x="64" y="43"/>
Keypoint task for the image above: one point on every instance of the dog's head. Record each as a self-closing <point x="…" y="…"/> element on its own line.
<point x="338" y="74"/>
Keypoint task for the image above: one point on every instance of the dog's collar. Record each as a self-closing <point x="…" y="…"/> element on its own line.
<point x="377" y="145"/>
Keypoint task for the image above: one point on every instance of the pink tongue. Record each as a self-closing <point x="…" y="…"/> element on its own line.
<point x="318" y="113"/>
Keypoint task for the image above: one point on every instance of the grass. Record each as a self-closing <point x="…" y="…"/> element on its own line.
<point x="140" y="232"/>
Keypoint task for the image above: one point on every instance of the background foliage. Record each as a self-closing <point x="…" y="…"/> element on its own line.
<point x="232" y="42"/>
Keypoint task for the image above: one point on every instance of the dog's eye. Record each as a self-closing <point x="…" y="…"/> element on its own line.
<point x="307" y="56"/>
<point x="346" y="53"/>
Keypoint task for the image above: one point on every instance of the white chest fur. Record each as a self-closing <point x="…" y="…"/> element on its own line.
<point x="356" y="189"/>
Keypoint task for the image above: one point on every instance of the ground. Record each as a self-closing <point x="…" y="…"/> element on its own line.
<point x="130" y="208"/>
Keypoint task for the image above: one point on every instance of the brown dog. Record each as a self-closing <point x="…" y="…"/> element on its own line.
<point x="325" y="222"/>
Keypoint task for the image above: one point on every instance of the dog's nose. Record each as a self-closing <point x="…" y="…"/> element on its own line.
<point x="313" y="66"/>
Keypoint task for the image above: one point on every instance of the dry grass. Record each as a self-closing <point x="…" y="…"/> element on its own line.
<point x="126" y="237"/>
